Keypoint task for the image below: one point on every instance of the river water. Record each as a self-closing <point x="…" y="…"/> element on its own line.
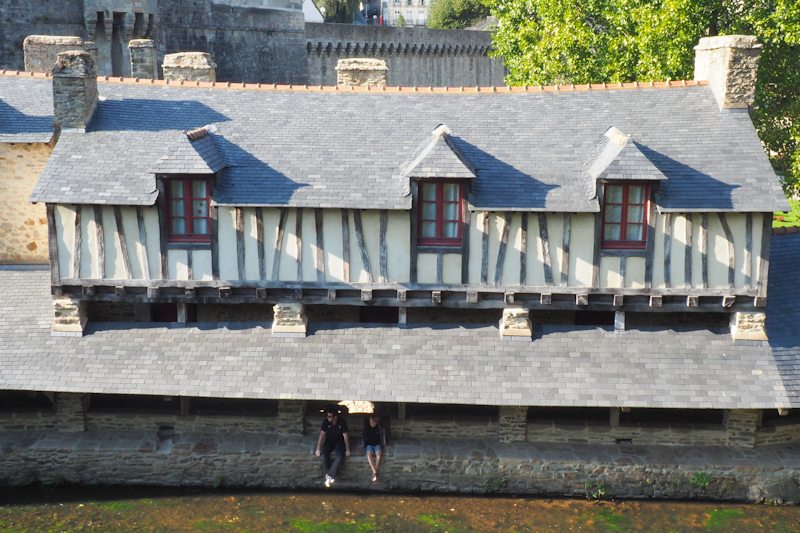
<point x="116" y="509"/>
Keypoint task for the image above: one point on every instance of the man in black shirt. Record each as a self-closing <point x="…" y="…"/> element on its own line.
<point x="337" y="439"/>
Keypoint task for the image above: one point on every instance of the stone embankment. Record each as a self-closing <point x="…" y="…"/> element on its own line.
<point x="770" y="473"/>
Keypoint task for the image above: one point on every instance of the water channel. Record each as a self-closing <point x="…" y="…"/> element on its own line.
<point x="115" y="509"/>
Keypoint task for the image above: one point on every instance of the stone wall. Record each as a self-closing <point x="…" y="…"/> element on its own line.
<point x="203" y="423"/>
<point x="23" y="225"/>
<point x="431" y="426"/>
<point x="415" y="56"/>
<point x="588" y="432"/>
<point x="778" y="432"/>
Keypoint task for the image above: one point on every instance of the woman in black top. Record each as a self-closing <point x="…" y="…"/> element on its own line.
<point x="371" y="437"/>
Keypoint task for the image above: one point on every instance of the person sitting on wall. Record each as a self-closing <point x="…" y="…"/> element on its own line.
<point x="334" y="433"/>
<point x="372" y="440"/>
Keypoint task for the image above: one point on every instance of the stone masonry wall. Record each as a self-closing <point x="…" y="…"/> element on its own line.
<point x="742" y="426"/>
<point x="205" y="423"/>
<point x="652" y="434"/>
<point x="23" y="225"/>
<point x="444" y="427"/>
<point x="778" y="432"/>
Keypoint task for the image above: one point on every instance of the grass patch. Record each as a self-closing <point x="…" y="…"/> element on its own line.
<point x="307" y="526"/>
<point x="788" y="218"/>
<point x="159" y="503"/>
<point x="612" y="521"/>
<point x="719" y="519"/>
<point x="122" y="507"/>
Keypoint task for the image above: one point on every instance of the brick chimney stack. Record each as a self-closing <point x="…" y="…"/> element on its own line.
<point x="74" y="90"/>
<point x="361" y="72"/>
<point x="730" y="64"/>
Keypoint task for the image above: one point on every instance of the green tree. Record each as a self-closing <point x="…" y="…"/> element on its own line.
<point x="341" y="11"/>
<point x="456" y="14"/>
<point x="594" y="41"/>
<point x="401" y="20"/>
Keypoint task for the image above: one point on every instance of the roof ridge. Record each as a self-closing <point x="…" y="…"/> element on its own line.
<point x="398" y="89"/>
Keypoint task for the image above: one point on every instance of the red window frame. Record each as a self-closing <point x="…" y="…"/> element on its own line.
<point x="439" y="240"/>
<point x="190" y="218"/>
<point x="624" y="243"/>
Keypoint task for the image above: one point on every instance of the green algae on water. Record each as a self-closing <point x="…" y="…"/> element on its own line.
<point x="308" y="526"/>
<point x="612" y="521"/>
<point x="719" y="519"/>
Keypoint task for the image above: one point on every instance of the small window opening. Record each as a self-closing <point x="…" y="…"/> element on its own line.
<point x="138" y="25"/>
<point x="149" y="33"/>
<point x="594" y="318"/>
<point x="378" y="315"/>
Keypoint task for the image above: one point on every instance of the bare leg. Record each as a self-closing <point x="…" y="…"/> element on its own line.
<point x="372" y="463"/>
<point x="377" y="461"/>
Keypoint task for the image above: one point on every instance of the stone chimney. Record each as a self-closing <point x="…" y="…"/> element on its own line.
<point x="144" y="63"/>
<point x="730" y="64"/>
<point x="41" y="51"/>
<point x="74" y="90"/>
<point x="91" y="47"/>
<point x="189" y="66"/>
<point x="361" y="72"/>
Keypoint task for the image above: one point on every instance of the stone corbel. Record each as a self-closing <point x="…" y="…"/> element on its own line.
<point x="289" y="320"/>
<point x="515" y="323"/>
<point x="749" y="326"/>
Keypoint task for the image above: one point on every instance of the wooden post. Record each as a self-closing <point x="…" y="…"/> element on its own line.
<point x="239" y="221"/>
<point x="465" y="229"/>
<point x="731" y="249"/>
<point x="161" y="206"/>
<point x="262" y="267"/>
<point x="213" y="214"/>
<point x="667" y="250"/>
<point x="52" y="245"/>
<point x="623" y="262"/>
<point x="651" y="239"/>
<point x="101" y="243"/>
<point x="439" y="268"/>
<point x="319" y="259"/>
<point x="276" y="259"/>
<point x="485" y="248"/>
<point x="346" y="246"/>
<point x="76" y="254"/>
<point x="362" y="246"/>
<point x="523" y="250"/>
<point x="123" y="246"/>
<point x="143" y="241"/>
<point x="748" y="251"/>
<point x="548" y="268"/>
<point x="189" y="264"/>
<point x="763" y="267"/>
<point x="598" y="239"/>
<point x="704" y="248"/>
<point x="501" y="251"/>
<point x="384" y="268"/>
<point x="687" y="259"/>
<point x="298" y="239"/>
<point x="565" y="250"/>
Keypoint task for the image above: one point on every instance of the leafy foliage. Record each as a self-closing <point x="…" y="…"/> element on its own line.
<point x="456" y="14"/>
<point x="341" y="11"/>
<point x="401" y="20"/>
<point x="594" y="41"/>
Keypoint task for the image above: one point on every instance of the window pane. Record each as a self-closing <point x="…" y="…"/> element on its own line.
<point x="176" y="188"/>
<point x="199" y="189"/>
<point x="178" y="225"/>
<point x="429" y="211"/>
<point x="429" y="191"/>
<point x="429" y="229"/>
<point x="201" y="225"/>
<point x="613" y="213"/>
<point x="634" y="232"/>
<point x="199" y="208"/>
<point x="450" y="192"/>
<point x="635" y="214"/>
<point x="611" y="232"/>
<point x="614" y="194"/>
<point x="178" y="208"/>
<point x="636" y="195"/>
<point x="450" y="230"/>
<point x="450" y="211"/>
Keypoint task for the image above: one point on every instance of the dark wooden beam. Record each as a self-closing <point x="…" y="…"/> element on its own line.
<point x="189" y="264"/>
<point x="161" y="206"/>
<point x="545" y="299"/>
<point x="262" y="265"/>
<point x="153" y="292"/>
<point x="331" y="294"/>
<point x="52" y="245"/>
<point x="656" y="301"/>
<point x="240" y="259"/>
<point x="414" y="236"/>
<point x="439" y="268"/>
<point x="598" y="238"/>
<point x="88" y="290"/>
<point x="366" y="296"/>
<point x="402" y="295"/>
<point x="362" y="246"/>
<point x="466" y="218"/>
<point x="581" y="299"/>
<point x="276" y="259"/>
<point x="213" y="214"/>
<point x="143" y="259"/>
<point x="123" y="246"/>
<point x="523" y="250"/>
<point x="748" y="251"/>
<point x="667" y="249"/>
<point x="731" y="249"/>
<point x="120" y="292"/>
<point x="623" y="265"/>
<point x="687" y="258"/>
<point x="384" y="265"/>
<point x="346" y="245"/>
<point x="501" y="250"/>
<point x="101" y="242"/>
<point x="763" y="267"/>
<point x="485" y="248"/>
<point x="436" y="297"/>
<point x="619" y="300"/>
<point x="319" y="258"/>
<point x="298" y="241"/>
<point x="472" y="297"/>
<point x="261" y="294"/>
<point x="548" y="266"/>
<point x="567" y="231"/>
<point x="191" y="293"/>
<point x="77" y="245"/>
<point x="651" y="239"/>
<point x="704" y="248"/>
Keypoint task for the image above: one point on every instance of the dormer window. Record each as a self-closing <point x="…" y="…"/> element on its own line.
<point x="187" y="210"/>
<point x="440" y="213"/>
<point x="625" y="216"/>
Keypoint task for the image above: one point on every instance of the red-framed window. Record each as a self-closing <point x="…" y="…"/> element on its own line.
<point x="439" y="213"/>
<point x="187" y="210"/>
<point x="625" y="209"/>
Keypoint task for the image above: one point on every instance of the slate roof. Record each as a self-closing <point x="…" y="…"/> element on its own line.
<point x="26" y="112"/>
<point x="436" y="157"/>
<point x="190" y="157"/>
<point x="617" y="157"/>
<point x="308" y="148"/>
<point x="561" y="366"/>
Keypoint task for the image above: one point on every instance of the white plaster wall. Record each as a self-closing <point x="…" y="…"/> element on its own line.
<point x="426" y="268"/>
<point x="250" y="245"/>
<point x="288" y="266"/>
<point x="398" y="246"/>
<point x="535" y="260"/>
<point x="334" y="246"/>
<point x="658" y="251"/>
<point x="758" y="224"/>
<point x="717" y="254"/>
<point x="201" y="265"/>
<point x="309" y="237"/>
<point x="177" y="264"/>
<point x="451" y="269"/>
<point x="65" y="234"/>
<point x="697" y="257"/>
<point x="678" y="253"/>
<point x="153" y="236"/>
<point x="88" y="243"/>
<point x="511" y="266"/>
<point x="495" y="229"/>
<point x="609" y="272"/>
<point x="475" y="243"/>
<point x="738" y="225"/>
<point x="555" y="234"/>
<point x="581" y="250"/>
<point x="226" y="224"/>
<point x="131" y="226"/>
<point x="372" y="238"/>
<point x="115" y="268"/>
<point x="634" y="272"/>
<point x="272" y="218"/>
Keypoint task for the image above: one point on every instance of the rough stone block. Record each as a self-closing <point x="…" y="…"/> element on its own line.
<point x="513" y="424"/>
<point x="515" y="323"/>
<point x="41" y="51"/>
<point x="730" y="64"/>
<point x="71" y="412"/>
<point x="75" y="94"/>
<point x="742" y="426"/>
<point x="290" y="418"/>
<point x="289" y="318"/>
<point x="748" y="326"/>
<point x="189" y="66"/>
<point x="361" y="72"/>
<point x="144" y="63"/>
<point x="70" y="316"/>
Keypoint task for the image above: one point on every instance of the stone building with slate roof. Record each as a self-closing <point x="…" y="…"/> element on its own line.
<point x="530" y="264"/>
